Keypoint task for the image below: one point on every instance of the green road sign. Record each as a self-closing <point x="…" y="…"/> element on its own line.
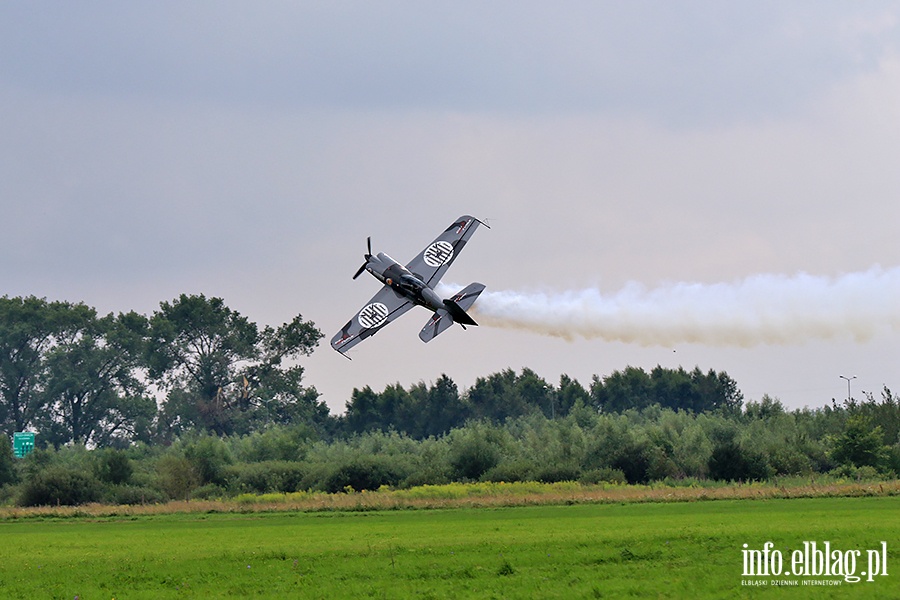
<point x="23" y="443"/>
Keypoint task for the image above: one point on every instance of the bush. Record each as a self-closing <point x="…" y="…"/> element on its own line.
<point x="473" y="453"/>
<point x="267" y="476"/>
<point x="864" y="473"/>
<point x="861" y="444"/>
<point x="634" y="460"/>
<point x="176" y="476"/>
<point x="604" y="475"/>
<point x="113" y="466"/>
<point x="58" y="485"/>
<point x="361" y="473"/>
<point x="893" y="459"/>
<point x="556" y="473"/>
<point x="131" y="494"/>
<point x="7" y="461"/>
<point x="519" y="470"/>
<point x="210" y="457"/>
<point x="210" y="491"/>
<point x="426" y="477"/>
<point x="36" y="462"/>
<point x="730" y="463"/>
<point x="288" y="443"/>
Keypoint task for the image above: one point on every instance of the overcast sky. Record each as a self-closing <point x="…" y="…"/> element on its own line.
<point x="246" y="150"/>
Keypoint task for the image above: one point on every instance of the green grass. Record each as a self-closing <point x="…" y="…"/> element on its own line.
<point x="639" y="550"/>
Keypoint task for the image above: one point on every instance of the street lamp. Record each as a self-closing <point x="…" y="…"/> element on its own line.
<point x="849" y="399"/>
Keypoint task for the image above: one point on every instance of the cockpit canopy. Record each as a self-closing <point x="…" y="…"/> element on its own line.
<point x="410" y="282"/>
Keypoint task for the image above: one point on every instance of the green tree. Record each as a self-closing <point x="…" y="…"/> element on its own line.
<point x="7" y="461"/>
<point x="669" y="388"/>
<point x="222" y="373"/>
<point x="363" y="411"/>
<point x="431" y="410"/>
<point x="765" y="409"/>
<point x="886" y="413"/>
<point x="622" y="390"/>
<point x="29" y="328"/>
<point x="861" y="443"/>
<point x="506" y="395"/>
<point x="420" y="412"/>
<point x="93" y="393"/>
<point x="274" y="388"/>
<point x="441" y="409"/>
<point x="570" y="394"/>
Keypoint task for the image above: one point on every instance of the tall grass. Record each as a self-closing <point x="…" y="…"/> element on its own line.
<point x="481" y="494"/>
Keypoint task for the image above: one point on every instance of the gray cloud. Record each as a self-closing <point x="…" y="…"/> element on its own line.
<point x="685" y="63"/>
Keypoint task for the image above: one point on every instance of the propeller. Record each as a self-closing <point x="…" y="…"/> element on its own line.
<point x="367" y="255"/>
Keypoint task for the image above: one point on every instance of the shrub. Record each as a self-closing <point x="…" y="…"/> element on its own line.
<point x="473" y="453"/>
<point x="864" y="473"/>
<point x="361" y="473"/>
<point x="279" y="442"/>
<point x="267" y="476"/>
<point x="58" y="485"/>
<point x="634" y="460"/>
<point x="604" y="475"/>
<point x="7" y="461"/>
<point x="113" y="466"/>
<point x="131" y="494"/>
<point x="519" y="470"/>
<point x="425" y="477"/>
<point x="861" y="444"/>
<point x="210" y="491"/>
<point x="36" y="462"/>
<point x="730" y="463"/>
<point x="555" y="473"/>
<point x="176" y="476"/>
<point x="210" y="457"/>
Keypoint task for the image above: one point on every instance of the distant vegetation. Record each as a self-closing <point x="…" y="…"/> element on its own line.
<point x="196" y="401"/>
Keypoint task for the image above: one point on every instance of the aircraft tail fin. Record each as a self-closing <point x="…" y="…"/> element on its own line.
<point x="458" y="313"/>
<point x="454" y="311"/>
<point x="466" y="297"/>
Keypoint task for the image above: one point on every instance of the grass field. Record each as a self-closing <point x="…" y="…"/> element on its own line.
<point x="639" y="550"/>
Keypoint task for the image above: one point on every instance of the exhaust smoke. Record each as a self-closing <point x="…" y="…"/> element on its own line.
<point x="761" y="309"/>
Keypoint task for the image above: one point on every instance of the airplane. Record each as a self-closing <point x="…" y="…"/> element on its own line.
<point x="405" y="287"/>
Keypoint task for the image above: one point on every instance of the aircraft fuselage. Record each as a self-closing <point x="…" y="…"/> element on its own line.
<point x="391" y="273"/>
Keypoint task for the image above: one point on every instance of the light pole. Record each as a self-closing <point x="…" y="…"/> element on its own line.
<point x="849" y="399"/>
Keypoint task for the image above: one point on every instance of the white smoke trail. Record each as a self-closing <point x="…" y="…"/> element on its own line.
<point x="762" y="309"/>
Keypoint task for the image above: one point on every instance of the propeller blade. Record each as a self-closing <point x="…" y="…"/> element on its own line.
<point x="361" y="269"/>
<point x="367" y="256"/>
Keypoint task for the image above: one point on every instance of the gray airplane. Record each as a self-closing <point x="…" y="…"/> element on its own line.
<point x="405" y="287"/>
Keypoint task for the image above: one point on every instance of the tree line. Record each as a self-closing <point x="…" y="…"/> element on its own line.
<point x="112" y="380"/>
<point x="637" y="446"/>
<point x="429" y="410"/>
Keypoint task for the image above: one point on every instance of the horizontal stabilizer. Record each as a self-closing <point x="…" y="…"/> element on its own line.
<point x="454" y="311"/>
<point x="437" y="324"/>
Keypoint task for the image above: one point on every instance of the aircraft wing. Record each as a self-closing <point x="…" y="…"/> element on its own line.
<point x="384" y="307"/>
<point x="432" y="262"/>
